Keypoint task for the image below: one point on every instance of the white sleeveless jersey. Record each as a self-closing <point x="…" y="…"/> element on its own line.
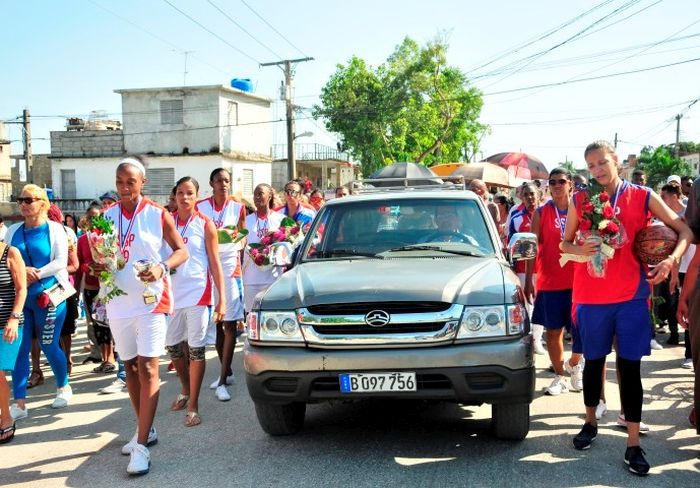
<point x="232" y="213"/>
<point x="192" y="283"/>
<point x="140" y="237"/>
<point x="257" y="228"/>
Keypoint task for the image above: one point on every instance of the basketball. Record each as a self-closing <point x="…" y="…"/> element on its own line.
<point x="654" y="243"/>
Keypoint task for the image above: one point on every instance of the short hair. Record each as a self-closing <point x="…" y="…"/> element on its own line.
<point x="638" y="172"/>
<point x="687" y="178"/>
<point x="671" y="189"/>
<point x="138" y="158"/>
<point x="560" y="171"/>
<point x="216" y="172"/>
<point x="599" y="145"/>
<point x="38" y="192"/>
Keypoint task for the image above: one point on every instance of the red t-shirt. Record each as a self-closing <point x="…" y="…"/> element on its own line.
<point x="550" y="275"/>
<point x="624" y="271"/>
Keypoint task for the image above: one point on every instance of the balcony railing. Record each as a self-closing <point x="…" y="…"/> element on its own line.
<point x="309" y="152"/>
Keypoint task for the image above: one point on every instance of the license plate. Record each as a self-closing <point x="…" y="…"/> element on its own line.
<point x="377" y="382"/>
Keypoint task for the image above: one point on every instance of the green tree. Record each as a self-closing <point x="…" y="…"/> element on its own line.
<point x="568" y="166"/>
<point x="414" y="107"/>
<point x="659" y="163"/>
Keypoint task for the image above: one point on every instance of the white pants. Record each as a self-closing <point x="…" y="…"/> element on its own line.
<point x="143" y="335"/>
<point x="188" y="324"/>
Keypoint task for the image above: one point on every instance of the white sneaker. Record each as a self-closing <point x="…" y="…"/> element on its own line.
<point x="601" y="410"/>
<point x="623" y="423"/>
<point x="576" y="373"/>
<point x="129" y="446"/>
<point x="655" y="345"/>
<point x="538" y="348"/>
<point x="215" y="383"/>
<point x="18" y="413"/>
<point x="63" y="396"/>
<point x="557" y="387"/>
<point x="115" y="387"/>
<point x="140" y="461"/>
<point x="222" y="393"/>
<point x="687" y="363"/>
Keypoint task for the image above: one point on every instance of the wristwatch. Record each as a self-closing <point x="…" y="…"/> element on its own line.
<point x="15" y="315"/>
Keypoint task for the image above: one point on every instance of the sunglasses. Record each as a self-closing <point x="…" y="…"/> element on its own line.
<point x="562" y="181"/>
<point x="27" y="200"/>
<point x="292" y="193"/>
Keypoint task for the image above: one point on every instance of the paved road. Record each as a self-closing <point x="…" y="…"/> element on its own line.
<point x="363" y="444"/>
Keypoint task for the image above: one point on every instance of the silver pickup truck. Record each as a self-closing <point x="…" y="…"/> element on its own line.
<point x="402" y="295"/>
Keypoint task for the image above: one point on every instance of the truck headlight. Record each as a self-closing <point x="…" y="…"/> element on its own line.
<point x="277" y="327"/>
<point x="478" y="322"/>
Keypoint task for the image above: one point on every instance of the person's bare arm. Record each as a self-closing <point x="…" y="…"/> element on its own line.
<point x="211" y="241"/>
<point x="19" y="278"/>
<point x="530" y="263"/>
<point x="685" y="237"/>
<point x="178" y="256"/>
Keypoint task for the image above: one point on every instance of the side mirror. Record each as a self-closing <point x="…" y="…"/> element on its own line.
<point x="281" y="254"/>
<point x="522" y="246"/>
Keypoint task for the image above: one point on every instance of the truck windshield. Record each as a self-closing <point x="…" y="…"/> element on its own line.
<point x="375" y="229"/>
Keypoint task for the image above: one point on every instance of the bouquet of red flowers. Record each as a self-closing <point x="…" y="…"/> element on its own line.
<point x="289" y="231"/>
<point x="599" y="224"/>
<point x="104" y="247"/>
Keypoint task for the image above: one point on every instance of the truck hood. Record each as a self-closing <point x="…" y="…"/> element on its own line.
<point x="464" y="280"/>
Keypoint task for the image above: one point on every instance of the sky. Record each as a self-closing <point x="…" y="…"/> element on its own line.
<point x="65" y="58"/>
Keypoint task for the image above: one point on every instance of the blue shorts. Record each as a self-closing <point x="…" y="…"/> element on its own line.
<point x="553" y="309"/>
<point x="9" y="352"/>
<point x="628" y="322"/>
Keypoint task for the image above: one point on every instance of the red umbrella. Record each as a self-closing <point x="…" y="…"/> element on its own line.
<point x="521" y="165"/>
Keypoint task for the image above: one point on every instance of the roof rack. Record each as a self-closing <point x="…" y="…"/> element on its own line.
<point x="422" y="183"/>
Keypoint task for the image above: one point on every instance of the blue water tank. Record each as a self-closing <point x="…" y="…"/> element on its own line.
<point x="243" y="84"/>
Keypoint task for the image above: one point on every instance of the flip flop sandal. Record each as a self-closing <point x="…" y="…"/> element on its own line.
<point x="192" y="419"/>
<point x="11" y="431"/>
<point x="108" y="367"/>
<point x="180" y="402"/>
<point x="35" y="379"/>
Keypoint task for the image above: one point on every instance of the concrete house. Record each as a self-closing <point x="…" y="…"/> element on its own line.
<point x="182" y="131"/>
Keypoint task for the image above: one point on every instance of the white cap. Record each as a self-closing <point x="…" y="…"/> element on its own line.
<point x="673" y="179"/>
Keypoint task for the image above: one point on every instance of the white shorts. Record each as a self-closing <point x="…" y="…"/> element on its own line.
<point x="188" y="324"/>
<point x="234" y="299"/>
<point x="249" y="294"/>
<point x="143" y="335"/>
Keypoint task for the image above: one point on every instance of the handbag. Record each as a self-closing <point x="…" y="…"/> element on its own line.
<point x="59" y="293"/>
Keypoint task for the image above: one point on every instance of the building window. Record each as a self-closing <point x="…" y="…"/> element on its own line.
<point x="171" y="111"/>
<point x="232" y="114"/>
<point x="247" y="182"/>
<point x="68" y="184"/>
<point x="160" y="182"/>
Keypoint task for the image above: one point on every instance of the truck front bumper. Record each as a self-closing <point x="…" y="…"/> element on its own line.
<point x="474" y="373"/>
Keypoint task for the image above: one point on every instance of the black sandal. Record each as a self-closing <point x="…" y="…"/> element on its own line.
<point x="11" y="430"/>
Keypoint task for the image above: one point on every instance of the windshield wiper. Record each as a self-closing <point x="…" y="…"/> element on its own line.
<point x="347" y="252"/>
<point x="425" y="247"/>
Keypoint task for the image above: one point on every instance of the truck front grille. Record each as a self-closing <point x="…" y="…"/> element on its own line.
<point x="354" y="329"/>
<point x="362" y="308"/>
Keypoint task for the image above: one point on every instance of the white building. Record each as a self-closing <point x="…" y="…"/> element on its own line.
<point x="694" y="161"/>
<point x="182" y="131"/>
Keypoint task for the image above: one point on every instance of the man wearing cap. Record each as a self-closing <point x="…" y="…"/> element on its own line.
<point x="109" y="198"/>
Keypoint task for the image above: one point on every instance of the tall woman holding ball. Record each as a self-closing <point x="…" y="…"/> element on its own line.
<point x="616" y="306"/>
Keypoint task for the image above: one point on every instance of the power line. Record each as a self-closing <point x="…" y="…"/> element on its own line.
<point x="213" y="33"/>
<point x="530" y="59"/>
<point x="155" y="36"/>
<point x="579" y="80"/>
<point x="275" y="30"/>
<point x="543" y="36"/>
<point x="242" y="28"/>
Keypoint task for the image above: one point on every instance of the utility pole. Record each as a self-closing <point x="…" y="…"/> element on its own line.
<point x="27" y="142"/>
<point x="184" y="74"/>
<point x="288" y="76"/>
<point x="678" y="134"/>
<point x="615" y="144"/>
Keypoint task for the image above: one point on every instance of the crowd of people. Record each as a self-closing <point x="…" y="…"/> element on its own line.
<point x="197" y="286"/>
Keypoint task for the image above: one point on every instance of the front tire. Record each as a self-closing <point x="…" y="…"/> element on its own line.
<point x="511" y="421"/>
<point x="280" y="419"/>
